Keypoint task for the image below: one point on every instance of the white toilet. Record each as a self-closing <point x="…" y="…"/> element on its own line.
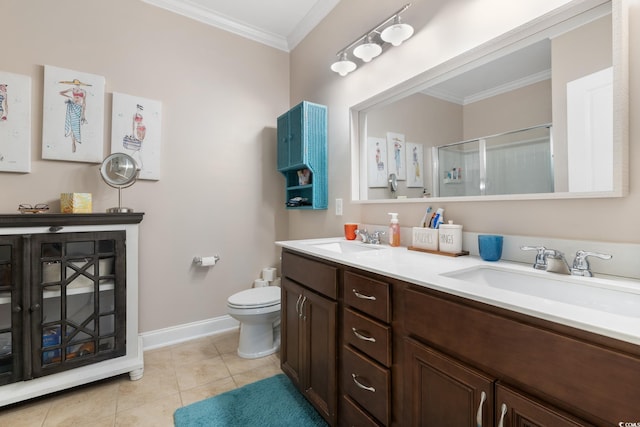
<point x="258" y="310"/>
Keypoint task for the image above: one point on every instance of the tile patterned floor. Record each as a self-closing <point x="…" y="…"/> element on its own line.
<point x="173" y="377"/>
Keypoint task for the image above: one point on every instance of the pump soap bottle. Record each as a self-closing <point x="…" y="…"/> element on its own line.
<point x="394" y="230"/>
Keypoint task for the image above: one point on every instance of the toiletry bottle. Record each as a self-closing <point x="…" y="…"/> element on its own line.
<point x="394" y="230"/>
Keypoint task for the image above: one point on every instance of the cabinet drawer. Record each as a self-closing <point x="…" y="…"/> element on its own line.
<point x="367" y="335"/>
<point x="315" y="275"/>
<point x="352" y="415"/>
<point x="368" y="295"/>
<point x="367" y="383"/>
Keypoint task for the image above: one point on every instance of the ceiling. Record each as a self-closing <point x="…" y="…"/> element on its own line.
<point x="277" y="23"/>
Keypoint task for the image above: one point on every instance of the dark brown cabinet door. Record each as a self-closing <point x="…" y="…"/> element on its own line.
<point x="290" y="354"/>
<point x="514" y="409"/>
<point x="308" y="351"/>
<point x="444" y="392"/>
<point x="319" y="347"/>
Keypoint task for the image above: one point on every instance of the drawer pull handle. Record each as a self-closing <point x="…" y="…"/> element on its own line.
<point x="503" y="410"/>
<point x="362" y="337"/>
<point x="483" y="397"/>
<point x="362" y="296"/>
<point x="362" y="386"/>
<point x="298" y="305"/>
<point x="302" y="315"/>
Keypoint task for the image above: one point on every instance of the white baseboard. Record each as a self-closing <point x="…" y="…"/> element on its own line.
<point x="189" y="331"/>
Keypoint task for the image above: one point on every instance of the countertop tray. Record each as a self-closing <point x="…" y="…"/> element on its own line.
<point x="429" y="251"/>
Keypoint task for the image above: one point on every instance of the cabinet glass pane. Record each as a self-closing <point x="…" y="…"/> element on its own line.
<point x="106" y="246"/>
<point x="80" y="308"/>
<point x="107" y="344"/>
<point x="5" y="274"/>
<point x="51" y="307"/>
<point x="80" y="274"/>
<point x="5" y="253"/>
<point x="5" y="311"/>
<point x="51" y="272"/>
<point x="51" y="341"/>
<point x="105" y="266"/>
<point x="80" y="248"/>
<point x="107" y="325"/>
<point x="107" y="302"/>
<point x="6" y="357"/>
<point x="51" y="249"/>
<point x="5" y="265"/>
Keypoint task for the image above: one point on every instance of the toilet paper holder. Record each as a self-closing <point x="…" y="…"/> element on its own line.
<point x="206" y="261"/>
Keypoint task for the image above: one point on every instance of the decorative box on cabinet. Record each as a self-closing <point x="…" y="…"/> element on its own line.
<point x="302" y="145"/>
<point x="68" y="301"/>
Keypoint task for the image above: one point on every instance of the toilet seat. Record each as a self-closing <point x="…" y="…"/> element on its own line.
<point x="267" y="296"/>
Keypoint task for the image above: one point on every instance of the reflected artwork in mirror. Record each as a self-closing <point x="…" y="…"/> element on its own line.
<point x="541" y="112"/>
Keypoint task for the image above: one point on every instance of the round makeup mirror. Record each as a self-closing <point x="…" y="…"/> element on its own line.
<point x="119" y="170"/>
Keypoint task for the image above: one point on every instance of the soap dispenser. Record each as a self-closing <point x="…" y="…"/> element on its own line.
<point x="394" y="230"/>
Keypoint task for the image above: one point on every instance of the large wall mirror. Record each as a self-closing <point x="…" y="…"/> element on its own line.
<point x="538" y="113"/>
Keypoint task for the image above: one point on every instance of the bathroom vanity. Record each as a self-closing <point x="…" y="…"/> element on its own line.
<point x="408" y="343"/>
<point x="68" y="301"/>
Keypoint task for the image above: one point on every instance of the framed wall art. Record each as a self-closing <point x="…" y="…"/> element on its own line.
<point x="15" y="122"/>
<point x="377" y="162"/>
<point x="415" y="165"/>
<point x="72" y="116"/>
<point x="135" y="130"/>
<point x="396" y="155"/>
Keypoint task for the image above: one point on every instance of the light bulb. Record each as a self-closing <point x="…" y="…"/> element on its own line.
<point x="343" y="66"/>
<point x="397" y="33"/>
<point x="367" y="51"/>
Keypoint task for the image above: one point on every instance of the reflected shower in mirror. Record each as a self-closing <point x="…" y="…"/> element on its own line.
<point x="518" y="162"/>
<point x="427" y="131"/>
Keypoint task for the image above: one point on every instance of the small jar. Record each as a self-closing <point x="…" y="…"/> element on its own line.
<point x="450" y="237"/>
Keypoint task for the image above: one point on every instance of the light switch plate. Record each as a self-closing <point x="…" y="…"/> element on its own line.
<point x="338" y="207"/>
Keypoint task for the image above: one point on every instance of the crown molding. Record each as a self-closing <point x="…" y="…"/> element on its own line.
<point x="317" y="13"/>
<point x="191" y="10"/>
<point x="479" y="96"/>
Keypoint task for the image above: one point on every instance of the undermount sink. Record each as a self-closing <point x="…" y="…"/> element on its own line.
<point x="346" y="247"/>
<point x="582" y="292"/>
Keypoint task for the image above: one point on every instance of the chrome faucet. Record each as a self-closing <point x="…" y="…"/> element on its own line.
<point x="551" y="260"/>
<point x="581" y="265"/>
<point x="370" y="238"/>
<point x="554" y="261"/>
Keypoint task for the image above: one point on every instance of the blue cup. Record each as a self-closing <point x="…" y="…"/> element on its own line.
<point x="490" y="247"/>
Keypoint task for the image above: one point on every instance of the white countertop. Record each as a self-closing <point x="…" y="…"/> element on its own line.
<point x="426" y="270"/>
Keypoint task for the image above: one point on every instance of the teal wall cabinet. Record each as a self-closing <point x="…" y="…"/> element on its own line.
<point x="302" y="155"/>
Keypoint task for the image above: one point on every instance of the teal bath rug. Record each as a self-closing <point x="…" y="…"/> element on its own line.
<point x="272" y="402"/>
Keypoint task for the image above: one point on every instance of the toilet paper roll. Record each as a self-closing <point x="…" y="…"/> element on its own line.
<point x="260" y="283"/>
<point x="206" y="261"/>
<point x="269" y="274"/>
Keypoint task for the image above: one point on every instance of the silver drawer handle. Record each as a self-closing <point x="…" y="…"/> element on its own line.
<point x="503" y="410"/>
<point x="298" y="305"/>
<point x="362" y="386"/>
<point x="479" y="416"/>
<point x="359" y="295"/>
<point x="362" y="337"/>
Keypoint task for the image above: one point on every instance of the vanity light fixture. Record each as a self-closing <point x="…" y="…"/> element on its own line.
<point x="397" y="33"/>
<point x="367" y="50"/>
<point x="343" y="66"/>
<point x="371" y="44"/>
